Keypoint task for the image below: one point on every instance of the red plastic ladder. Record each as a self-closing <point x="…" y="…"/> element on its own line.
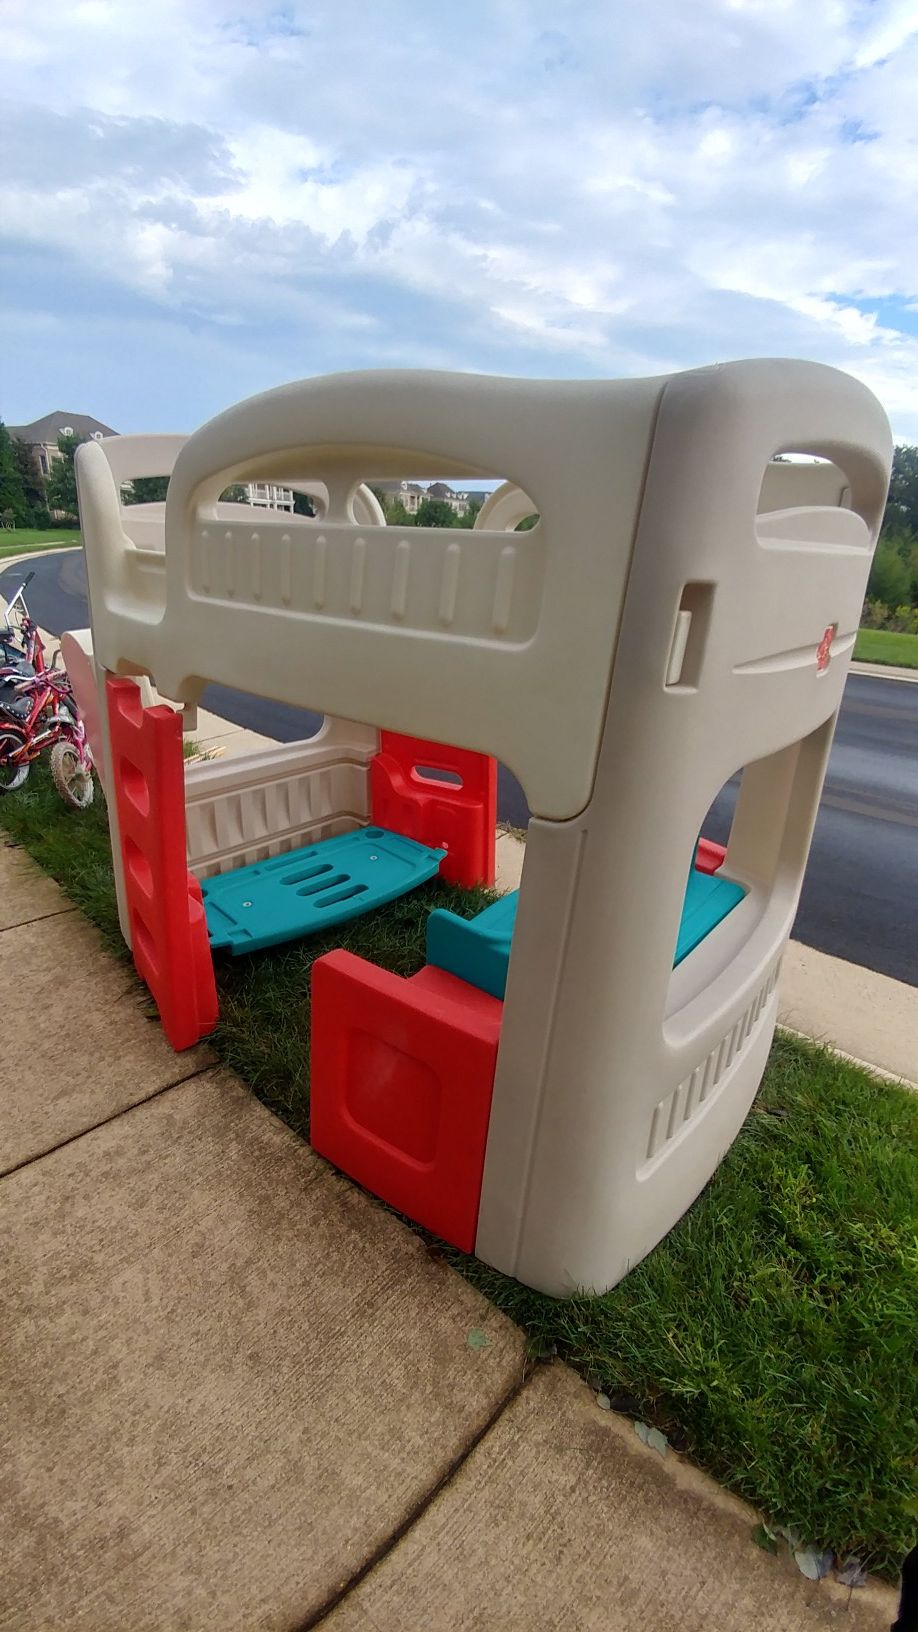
<point x="168" y="927"/>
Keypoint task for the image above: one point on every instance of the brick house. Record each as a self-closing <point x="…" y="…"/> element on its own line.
<point x="41" y="436"/>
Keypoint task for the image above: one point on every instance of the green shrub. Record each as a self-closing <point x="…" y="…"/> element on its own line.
<point x="903" y="621"/>
<point x="874" y="614"/>
<point x="889" y="576"/>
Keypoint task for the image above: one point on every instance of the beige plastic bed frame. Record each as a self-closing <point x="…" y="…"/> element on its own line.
<point x="683" y="609"/>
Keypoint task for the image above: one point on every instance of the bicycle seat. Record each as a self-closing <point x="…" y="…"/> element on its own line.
<point x="12" y="702"/>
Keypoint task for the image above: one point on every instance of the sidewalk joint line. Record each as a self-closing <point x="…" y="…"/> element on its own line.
<point x="125" y="1111"/>
<point x="59" y="912"/>
<point x="408" y="1523"/>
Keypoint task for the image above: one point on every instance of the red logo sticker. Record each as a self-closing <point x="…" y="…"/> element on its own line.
<point x="824" y="649"/>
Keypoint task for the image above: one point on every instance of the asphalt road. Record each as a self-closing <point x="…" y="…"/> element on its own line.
<point x="860" y="897"/>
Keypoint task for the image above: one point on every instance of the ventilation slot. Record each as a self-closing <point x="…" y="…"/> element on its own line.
<point x="687" y="1100"/>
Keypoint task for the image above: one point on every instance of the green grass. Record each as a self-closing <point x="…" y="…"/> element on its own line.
<point x="882" y="646"/>
<point x="17" y="540"/>
<point x="770" y="1336"/>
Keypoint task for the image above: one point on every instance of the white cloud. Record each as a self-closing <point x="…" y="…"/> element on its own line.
<point x="886" y="32"/>
<point x="571" y="188"/>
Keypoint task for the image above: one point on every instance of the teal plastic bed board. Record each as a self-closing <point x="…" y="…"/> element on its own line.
<point x="477" y="950"/>
<point x="307" y="890"/>
<point x="708" y="899"/>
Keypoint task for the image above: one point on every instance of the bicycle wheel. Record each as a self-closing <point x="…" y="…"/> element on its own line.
<point x="71" y="776"/>
<point x="12" y="776"/>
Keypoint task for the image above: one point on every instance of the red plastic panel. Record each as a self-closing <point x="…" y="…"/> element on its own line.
<point x="709" y="857"/>
<point x="402" y="1073"/>
<point x="457" y="816"/>
<point x="168" y="927"/>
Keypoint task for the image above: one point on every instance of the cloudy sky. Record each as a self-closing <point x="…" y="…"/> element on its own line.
<point x="199" y="200"/>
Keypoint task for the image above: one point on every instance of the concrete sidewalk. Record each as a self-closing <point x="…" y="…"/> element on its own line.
<point x="868" y="1017"/>
<point x="240" y="1394"/>
<point x="211" y="731"/>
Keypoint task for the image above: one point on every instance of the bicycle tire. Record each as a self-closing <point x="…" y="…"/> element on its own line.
<point x="11" y="776"/>
<point x="71" y="777"/>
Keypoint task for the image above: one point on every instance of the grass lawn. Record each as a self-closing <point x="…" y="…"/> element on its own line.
<point x="16" y="540"/>
<point x="770" y="1336"/>
<point x="882" y="646"/>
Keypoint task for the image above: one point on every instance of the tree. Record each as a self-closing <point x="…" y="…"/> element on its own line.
<point x="235" y="494"/>
<point x="911" y="562"/>
<point x="902" y="505"/>
<point x="303" y="504"/>
<point x="62" y="493"/>
<point x="471" y="515"/>
<point x="889" y="577"/>
<point x="33" y="485"/>
<point x="396" y="514"/>
<point x="435" y="513"/>
<point x="145" y="490"/>
<point x="12" y="497"/>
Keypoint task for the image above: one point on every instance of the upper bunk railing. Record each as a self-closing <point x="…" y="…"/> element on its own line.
<point x="491" y="639"/>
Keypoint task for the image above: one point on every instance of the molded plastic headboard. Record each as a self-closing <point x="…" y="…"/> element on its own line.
<point x="145" y="455"/>
<point x="468" y="635"/>
<point x="365" y="507"/>
<point x="505" y="508"/>
<point x="454" y="635"/>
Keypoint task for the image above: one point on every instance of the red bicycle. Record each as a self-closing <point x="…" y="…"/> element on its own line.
<point x="38" y="711"/>
<point x="20" y="641"/>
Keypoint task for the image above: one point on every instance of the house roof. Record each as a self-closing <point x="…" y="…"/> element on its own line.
<point x="399" y="487"/>
<point x="48" y="429"/>
<point x="435" y="490"/>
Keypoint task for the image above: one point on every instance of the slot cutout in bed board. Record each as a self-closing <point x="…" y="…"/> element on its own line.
<point x="337" y="879"/>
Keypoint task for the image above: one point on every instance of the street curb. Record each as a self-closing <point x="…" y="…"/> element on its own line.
<point x="850" y="1059"/>
<point x="35" y="555"/>
<point x="885" y="671"/>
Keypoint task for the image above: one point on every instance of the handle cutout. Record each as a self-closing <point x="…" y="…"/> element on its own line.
<point x="689" y="638"/>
